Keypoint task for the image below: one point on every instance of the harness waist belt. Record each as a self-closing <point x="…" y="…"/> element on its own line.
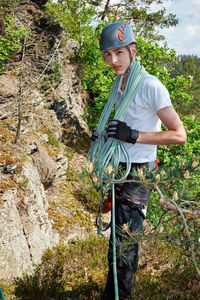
<point x="151" y="165"/>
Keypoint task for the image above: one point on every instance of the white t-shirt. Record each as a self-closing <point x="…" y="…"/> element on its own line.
<point x="142" y="116"/>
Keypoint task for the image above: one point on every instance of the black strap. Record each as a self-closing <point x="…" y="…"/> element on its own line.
<point x="133" y="165"/>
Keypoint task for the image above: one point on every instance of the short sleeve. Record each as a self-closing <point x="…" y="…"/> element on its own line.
<point x="154" y="94"/>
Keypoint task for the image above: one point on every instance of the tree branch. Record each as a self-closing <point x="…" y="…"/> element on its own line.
<point x="173" y="206"/>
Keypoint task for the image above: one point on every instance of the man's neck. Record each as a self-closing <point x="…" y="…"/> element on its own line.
<point x="125" y="78"/>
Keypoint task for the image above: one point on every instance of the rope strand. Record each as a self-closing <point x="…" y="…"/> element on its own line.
<point x="107" y="152"/>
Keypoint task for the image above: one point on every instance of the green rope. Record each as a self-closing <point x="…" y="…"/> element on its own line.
<point x="103" y="153"/>
<point x="1" y="295"/>
<point x="114" y="245"/>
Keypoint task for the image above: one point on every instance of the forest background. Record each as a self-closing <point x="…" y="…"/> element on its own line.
<point x="177" y="236"/>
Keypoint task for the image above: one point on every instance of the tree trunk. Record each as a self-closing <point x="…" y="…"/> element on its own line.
<point x="105" y="10"/>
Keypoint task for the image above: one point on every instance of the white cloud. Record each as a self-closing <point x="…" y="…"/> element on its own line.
<point x="185" y="37"/>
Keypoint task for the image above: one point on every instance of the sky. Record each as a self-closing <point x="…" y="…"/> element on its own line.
<point x="185" y="37"/>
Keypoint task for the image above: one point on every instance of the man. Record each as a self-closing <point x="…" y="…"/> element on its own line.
<point x="140" y="131"/>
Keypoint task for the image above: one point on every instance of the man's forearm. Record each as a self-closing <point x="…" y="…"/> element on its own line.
<point x="167" y="137"/>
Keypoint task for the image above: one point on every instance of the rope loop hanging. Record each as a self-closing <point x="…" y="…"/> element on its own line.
<point x="107" y="152"/>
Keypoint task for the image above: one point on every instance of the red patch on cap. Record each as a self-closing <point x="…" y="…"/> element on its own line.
<point x="120" y="35"/>
<point x="120" y="32"/>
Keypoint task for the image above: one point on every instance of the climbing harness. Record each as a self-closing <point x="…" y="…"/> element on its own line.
<point x="105" y="153"/>
<point x="107" y="205"/>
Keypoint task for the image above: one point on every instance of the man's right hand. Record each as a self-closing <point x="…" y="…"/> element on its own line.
<point x="94" y="136"/>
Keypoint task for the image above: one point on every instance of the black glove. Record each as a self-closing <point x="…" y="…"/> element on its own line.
<point x="121" y="131"/>
<point x="94" y="136"/>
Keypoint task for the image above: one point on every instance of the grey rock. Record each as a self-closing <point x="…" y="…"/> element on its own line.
<point x="25" y="230"/>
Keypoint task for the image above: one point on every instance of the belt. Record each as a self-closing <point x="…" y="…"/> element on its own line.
<point x="151" y="165"/>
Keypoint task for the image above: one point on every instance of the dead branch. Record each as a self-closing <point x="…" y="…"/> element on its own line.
<point x="105" y="10"/>
<point x="20" y="97"/>
<point x="19" y="112"/>
<point x="171" y="204"/>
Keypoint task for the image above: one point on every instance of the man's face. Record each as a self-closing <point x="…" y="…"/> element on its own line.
<point x="119" y="58"/>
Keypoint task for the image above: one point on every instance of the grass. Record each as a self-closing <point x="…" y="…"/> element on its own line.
<point x="87" y="194"/>
<point x="78" y="271"/>
<point x="78" y="199"/>
<point x="72" y="216"/>
<point x="179" y="285"/>
<point x="164" y="274"/>
<point x="73" y="271"/>
<point x="52" y="138"/>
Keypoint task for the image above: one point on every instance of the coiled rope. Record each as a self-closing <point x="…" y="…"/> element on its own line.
<point x="107" y="152"/>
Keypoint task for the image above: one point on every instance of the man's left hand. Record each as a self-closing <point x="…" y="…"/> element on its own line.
<point x="121" y="131"/>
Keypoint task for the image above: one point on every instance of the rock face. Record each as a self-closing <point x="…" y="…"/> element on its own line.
<point x="25" y="230"/>
<point x="9" y="85"/>
<point x="69" y="106"/>
<point x="70" y="100"/>
<point x="45" y="165"/>
<point x="43" y="111"/>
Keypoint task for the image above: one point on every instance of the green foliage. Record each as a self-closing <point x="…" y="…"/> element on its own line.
<point x="6" y="49"/>
<point x="53" y="76"/>
<point x="74" y="16"/>
<point x="174" y="210"/>
<point x="89" y="196"/>
<point x="16" y="33"/>
<point x="97" y="77"/>
<point x="73" y="271"/>
<point x="52" y="139"/>
<point x="145" y="21"/>
<point x="155" y="211"/>
<point x="191" y="149"/>
<point x="187" y="65"/>
<point x="178" y="88"/>
<point x="77" y="271"/>
<point x="156" y="59"/>
<point x="7" y="2"/>
<point x="172" y="284"/>
<point x="139" y="13"/>
<point x="12" y="40"/>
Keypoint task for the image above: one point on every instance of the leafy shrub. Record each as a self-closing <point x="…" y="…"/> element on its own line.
<point x="63" y="274"/>
<point x="12" y="40"/>
<point x="191" y="149"/>
<point x="74" y="16"/>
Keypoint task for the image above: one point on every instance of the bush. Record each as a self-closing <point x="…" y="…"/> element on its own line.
<point x="12" y="41"/>
<point x="74" y="271"/>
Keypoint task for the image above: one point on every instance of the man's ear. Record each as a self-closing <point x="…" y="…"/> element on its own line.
<point x="133" y="50"/>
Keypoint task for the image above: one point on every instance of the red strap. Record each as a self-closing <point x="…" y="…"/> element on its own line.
<point x="107" y="206"/>
<point x="157" y="161"/>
